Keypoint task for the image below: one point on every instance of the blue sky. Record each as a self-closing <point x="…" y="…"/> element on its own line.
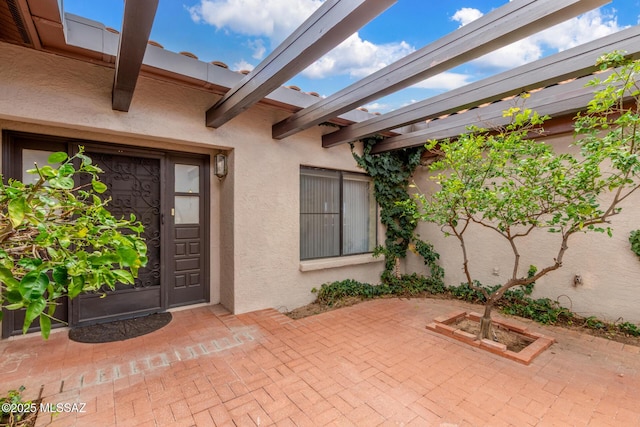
<point x="241" y="33"/>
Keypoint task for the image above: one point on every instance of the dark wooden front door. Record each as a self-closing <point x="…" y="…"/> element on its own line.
<point x="168" y="192"/>
<point x="188" y="256"/>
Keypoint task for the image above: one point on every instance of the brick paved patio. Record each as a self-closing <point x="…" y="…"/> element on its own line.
<point x="366" y="365"/>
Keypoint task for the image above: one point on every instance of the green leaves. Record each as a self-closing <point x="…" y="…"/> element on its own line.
<point x="33" y="285"/>
<point x="34" y="310"/>
<point x="64" y="182"/>
<point x="76" y="286"/>
<point x="391" y="173"/>
<point x="123" y="276"/>
<point x="60" y="275"/>
<point x="634" y="239"/>
<point x="512" y="184"/>
<point x="17" y="209"/>
<point x="61" y="240"/>
<point x="98" y="186"/>
<point x="58" y="157"/>
<point x="45" y="326"/>
<point x="6" y="277"/>
<point x="508" y="180"/>
<point x="129" y="257"/>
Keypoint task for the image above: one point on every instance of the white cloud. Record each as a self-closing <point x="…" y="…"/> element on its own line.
<point x="411" y="101"/>
<point x="258" y="48"/>
<point x="576" y="31"/>
<point x="243" y="65"/>
<point x="513" y="55"/>
<point x="590" y="26"/>
<point x="466" y="15"/>
<point x="274" y="19"/>
<point x="357" y="58"/>
<point x="445" y="81"/>
<point x="377" y="106"/>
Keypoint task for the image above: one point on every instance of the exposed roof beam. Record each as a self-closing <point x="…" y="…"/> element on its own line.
<point x="576" y="62"/>
<point x="26" y="19"/>
<point x="327" y="27"/>
<point x="136" y="28"/>
<point x="507" y="24"/>
<point x="555" y="100"/>
<point x="88" y="40"/>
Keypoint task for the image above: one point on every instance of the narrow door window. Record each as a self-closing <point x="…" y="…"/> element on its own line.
<point x="187" y="194"/>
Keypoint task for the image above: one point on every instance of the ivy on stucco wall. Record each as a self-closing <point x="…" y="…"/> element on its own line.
<point x="391" y="173"/>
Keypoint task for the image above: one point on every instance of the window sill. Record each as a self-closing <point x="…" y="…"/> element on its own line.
<point x="345" y="261"/>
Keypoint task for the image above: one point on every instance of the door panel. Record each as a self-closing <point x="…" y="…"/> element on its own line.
<point x="188" y="232"/>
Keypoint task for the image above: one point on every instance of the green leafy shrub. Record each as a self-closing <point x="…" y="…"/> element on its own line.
<point x="634" y="239"/>
<point x="592" y="322"/>
<point x="58" y="239"/>
<point x="629" y="329"/>
<point x="14" y="399"/>
<point x="409" y="285"/>
<point x="468" y="293"/>
<point x="430" y="257"/>
<point x="515" y="302"/>
<point x="541" y="310"/>
<point x="331" y="293"/>
<point x="406" y="286"/>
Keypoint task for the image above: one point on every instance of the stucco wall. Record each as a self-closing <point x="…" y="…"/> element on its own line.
<point x="255" y="209"/>
<point x="610" y="272"/>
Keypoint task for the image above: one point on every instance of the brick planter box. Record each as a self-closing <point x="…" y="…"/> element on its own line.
<point x="445" y="325"/>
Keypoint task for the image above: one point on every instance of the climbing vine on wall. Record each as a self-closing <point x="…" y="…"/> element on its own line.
<point x="391" y="173"/>
<point x="634" y="239"/>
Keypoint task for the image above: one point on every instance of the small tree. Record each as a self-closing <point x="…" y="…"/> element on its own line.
<point x="58" y="239"/>
<point x="509" y="183"/>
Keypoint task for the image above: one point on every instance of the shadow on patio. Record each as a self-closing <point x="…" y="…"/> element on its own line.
<point x="369" y="364"/>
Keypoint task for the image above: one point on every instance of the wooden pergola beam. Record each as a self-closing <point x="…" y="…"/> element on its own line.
<point x="507" y="24"/>
<point x="576" y="62"/>
<point x="331" y="24"/>
<point x="136" y="28"/>
<point x="561" y="99"/>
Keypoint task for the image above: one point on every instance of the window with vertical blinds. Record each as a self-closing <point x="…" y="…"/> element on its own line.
<point x="337" y="214"/>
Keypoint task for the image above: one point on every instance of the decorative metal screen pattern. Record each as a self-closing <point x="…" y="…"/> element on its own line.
<point x="134" y="187"/>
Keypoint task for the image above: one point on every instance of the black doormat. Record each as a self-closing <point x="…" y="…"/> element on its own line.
<point x="120" y="329"/>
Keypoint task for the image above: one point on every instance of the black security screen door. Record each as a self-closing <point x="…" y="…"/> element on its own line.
<point x="134" y="186"/>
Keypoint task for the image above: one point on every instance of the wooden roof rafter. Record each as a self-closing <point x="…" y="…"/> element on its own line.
<point x="575" y="62"/>
<point x="560" y="99"/>
<point x="136" y="28"/>
<point x="16" y="24"/>
<point x="505" y="25"/>
<point x="331" y="24"/>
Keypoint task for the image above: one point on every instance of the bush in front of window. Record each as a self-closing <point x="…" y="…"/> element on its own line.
<point x="406" y="286"/>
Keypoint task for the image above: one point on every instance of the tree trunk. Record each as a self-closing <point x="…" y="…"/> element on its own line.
<point x="485" y="322"/>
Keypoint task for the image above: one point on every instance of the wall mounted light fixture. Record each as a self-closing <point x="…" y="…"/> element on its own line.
<point x="220" y="165"/>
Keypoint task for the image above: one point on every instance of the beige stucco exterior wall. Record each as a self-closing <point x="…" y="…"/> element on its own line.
<point x="610" y="272"/>
<point x="255" y="209"/>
